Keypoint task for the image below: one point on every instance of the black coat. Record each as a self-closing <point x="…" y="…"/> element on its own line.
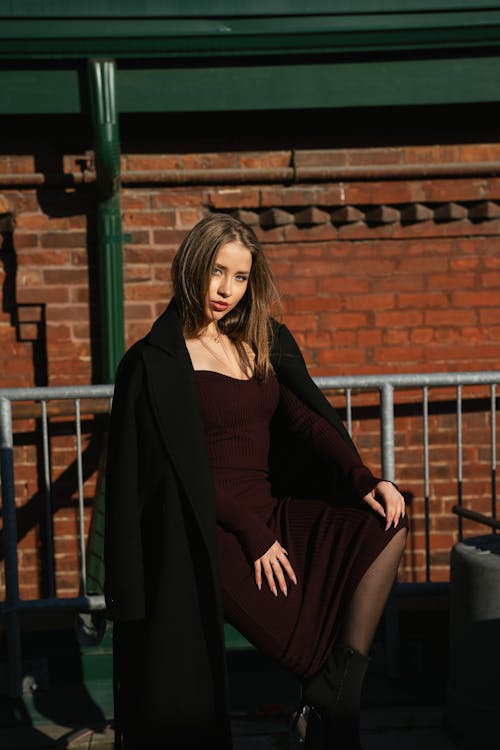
<point x="161" y="576"/>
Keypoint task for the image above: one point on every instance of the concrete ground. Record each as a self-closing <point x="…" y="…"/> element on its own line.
<point x="402" y="713"/>
<point x="388" y="728"/>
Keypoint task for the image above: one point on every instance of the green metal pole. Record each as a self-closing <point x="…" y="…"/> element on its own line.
<point x="110" y="272"/>
<point x="109" y="222"/>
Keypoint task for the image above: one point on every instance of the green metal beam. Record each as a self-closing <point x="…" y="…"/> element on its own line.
<point x="247" y="87"/>
<point x="39" y="91"/>
<point x="215" y="8"/>
<point x="306" y="86"/>
<point x="64" y="37"/>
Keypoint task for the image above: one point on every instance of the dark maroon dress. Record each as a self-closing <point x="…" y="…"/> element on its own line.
<point x="329" y="546"/>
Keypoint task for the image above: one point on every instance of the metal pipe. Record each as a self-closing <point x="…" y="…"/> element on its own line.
<point x="87" y="603"/>
<point x="425" y="395"/>
<point x="459" y="459"/>
<point x="387" y="431"/>
<point x="473" y="515"/>
<point x="14" y="651"/>
<point x="239" y="176"/>
<point x="81" y="522"/>
<point x="49" y="526"/>
<point x="493" y="451"/>
<point x="107" y="159"/>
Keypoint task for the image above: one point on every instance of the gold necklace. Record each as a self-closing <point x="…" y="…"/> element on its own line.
<point x="229" y="363"/>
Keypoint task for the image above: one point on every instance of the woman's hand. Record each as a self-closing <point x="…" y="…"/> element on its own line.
<point x="388" y="501"/>
<point x="274" y="564"/>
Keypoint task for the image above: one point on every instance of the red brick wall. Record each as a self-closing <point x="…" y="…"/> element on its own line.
<point x="372" y="289"/>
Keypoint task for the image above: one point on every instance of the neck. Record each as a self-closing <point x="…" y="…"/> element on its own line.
<point x="211" y="332"/>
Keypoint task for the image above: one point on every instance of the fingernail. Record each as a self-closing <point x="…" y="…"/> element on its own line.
<point x="294" y="580"/>
<point x="275" y="592"/>
<point x="259" y="586"/>
<point x="285" y="590"/>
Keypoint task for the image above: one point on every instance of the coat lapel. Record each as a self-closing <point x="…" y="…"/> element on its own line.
<point x="174" y="396"/>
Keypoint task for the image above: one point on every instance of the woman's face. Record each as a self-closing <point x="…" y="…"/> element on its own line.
<point x="228" y="279"/>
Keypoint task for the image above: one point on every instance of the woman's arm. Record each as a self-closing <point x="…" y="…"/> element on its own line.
<point x="253" y="534"/>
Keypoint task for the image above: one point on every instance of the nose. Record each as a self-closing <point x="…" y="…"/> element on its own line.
<point x="224" y="287"/>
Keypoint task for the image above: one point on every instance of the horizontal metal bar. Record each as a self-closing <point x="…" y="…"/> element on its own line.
<point x="88" y="603"/>
<point x="52" y="392"/>
<point x="404" y="380"/>
<point x="473" y="515"/>
<point x="409" y="380"/>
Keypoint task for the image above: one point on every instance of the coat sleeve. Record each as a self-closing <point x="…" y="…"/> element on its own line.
<point x="123" y="552"/>
<point x="291" y="369"/>
<point x="327" y="441"/>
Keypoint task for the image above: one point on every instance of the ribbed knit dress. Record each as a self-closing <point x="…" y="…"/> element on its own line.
<point x="330" y="546"/>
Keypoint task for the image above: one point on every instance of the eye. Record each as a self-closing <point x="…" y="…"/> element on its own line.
<point x="241" y="277"/>
<point x="216" y="271"/>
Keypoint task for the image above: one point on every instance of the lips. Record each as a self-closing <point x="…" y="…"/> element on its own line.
<point x="219" y="306"/>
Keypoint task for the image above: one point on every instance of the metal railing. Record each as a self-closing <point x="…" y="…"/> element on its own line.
<point x="385" y="385"/>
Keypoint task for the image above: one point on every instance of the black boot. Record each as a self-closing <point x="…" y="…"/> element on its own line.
<point x="334" y="695"/>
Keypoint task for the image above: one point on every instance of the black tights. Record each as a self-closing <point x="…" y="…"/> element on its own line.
<point x="370" y="597"/>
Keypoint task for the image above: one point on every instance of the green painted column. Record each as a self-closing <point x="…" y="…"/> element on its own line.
<point x="110" y="273"/>
<point x="109" y="221"/>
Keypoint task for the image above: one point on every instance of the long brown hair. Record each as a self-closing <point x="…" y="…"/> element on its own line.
<point x="248" y="323"/>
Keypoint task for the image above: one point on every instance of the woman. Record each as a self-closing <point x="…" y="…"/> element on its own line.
<point x="234" y="492"/>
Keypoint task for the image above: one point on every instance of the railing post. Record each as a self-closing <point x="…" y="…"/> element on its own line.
<point x="14" y="652"/>
<point x="387" y="431"/>
<point x="388" y="472"/>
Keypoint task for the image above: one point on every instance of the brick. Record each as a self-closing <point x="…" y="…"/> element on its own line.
<point x="136" y="201"/>
<point x="399" y="318"/>
<point x="145" y="292"/>
<point x="297" y="286"/>
<point x="301" y="323"/>
<point x="65" y="276"/>
<point x="346" y="285"/>
<point x="168" y="237"/>
<point x="489" y="280"/>
<point x="426" y="264"/>
<point x="371" y="302"/>
<point x="42" y="294"/>
<point x="312" y="304"/>
<point x="235" y="198"/>
<point x="369" y="337"/>
<point x="23" y="164"/>
<point x="396" y="336"/>
<point x="474" y="299"/>
<point x="293" y="196"/>
<point x="224" y="160"/>
<point x="344" y="337"/>
<point x="340" y="356"/>
<point x="321" y="157"/>
<point x="63" y="239"/>
<point x="423" y="299"/>
<point x="23" y="240"/>
<point x="191" y="197"/>
<point x="338" y="320"/>
<point x="165" y="218"/>
<point x="421" y="335"/>
<point x="258" y="159"/>
<point x="153" y="162"/>
<point x="450" y="281"/>
<point x="489" y="316"/>
<point x="492" y="262"/>
<point x="318" y="340"/>
<point x="398" y="354"/>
